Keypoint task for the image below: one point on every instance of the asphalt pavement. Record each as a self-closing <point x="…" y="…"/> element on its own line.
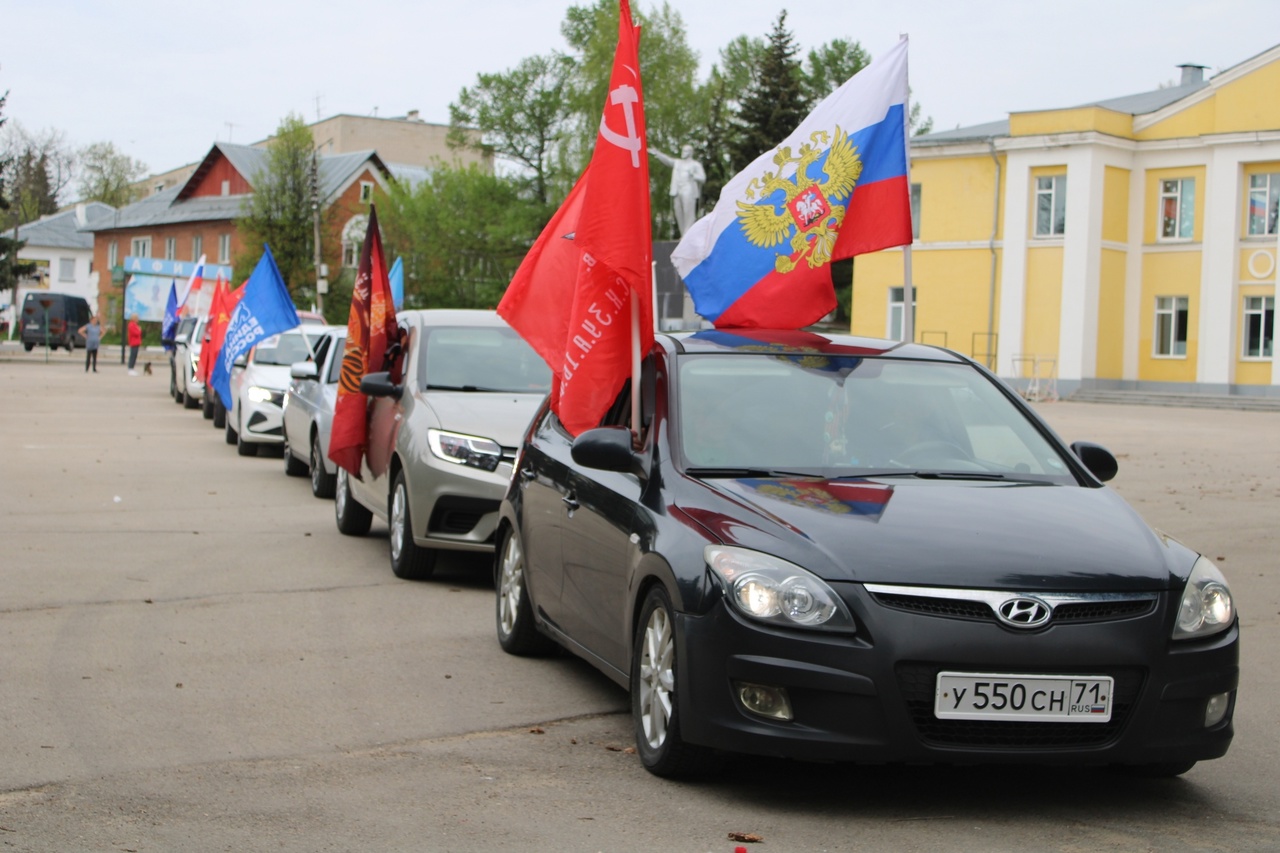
<point x="192" y="658"/>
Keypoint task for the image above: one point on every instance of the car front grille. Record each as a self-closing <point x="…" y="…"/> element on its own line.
<point x="980" y="605"/>
<point x="917" y="681"/>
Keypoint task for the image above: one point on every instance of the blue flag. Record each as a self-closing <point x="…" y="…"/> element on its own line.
<point x="396" y="277"/>
<point x="170" y="325"/>
<point x="265" y="309"/>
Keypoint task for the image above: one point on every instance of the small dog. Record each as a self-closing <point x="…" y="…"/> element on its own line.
<point x="146" y="368"/>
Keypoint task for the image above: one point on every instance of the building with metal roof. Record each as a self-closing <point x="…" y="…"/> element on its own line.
<point x="61" y="251"/>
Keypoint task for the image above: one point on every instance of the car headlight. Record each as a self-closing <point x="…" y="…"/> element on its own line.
<point x="258" y="394"/>
<point x="769" y="589"/>
<point x="195" y="361"/>
<point x="482" y="453"/>
<point x="1206" y="607"/>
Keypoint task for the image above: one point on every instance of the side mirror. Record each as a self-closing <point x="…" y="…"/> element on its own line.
<point x="303" y="370"/>
<point x="1100" y="461"/>
<point x="380" y="385"/>
<point x="606" y="448"/>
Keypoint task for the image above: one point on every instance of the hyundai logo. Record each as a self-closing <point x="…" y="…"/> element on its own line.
<point x="1024" y="612"/>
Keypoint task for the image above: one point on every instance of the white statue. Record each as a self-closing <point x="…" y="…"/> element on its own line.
<point x="687" y="178"/>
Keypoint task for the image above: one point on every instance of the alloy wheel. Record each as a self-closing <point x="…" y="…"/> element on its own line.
<point x="510" y="585"/>
<point x="657" y="678"/>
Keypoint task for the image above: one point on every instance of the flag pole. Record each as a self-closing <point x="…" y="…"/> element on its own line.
<point x="635" y="366"/>
<point x="908" y="294"/>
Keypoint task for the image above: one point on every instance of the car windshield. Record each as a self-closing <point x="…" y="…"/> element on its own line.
<point x="283" y="349"/>
<point x="851" y="416"/>
<point x="481" y="358"/>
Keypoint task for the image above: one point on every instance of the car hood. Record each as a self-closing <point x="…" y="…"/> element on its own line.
<point x="273" y="376"/>
<point x="501" y="417"/>
<point x="961" y="534"/>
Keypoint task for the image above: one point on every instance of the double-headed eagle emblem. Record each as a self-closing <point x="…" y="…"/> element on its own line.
<point x="809" y="216"/>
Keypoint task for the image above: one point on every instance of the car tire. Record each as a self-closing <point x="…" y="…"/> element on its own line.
<point x="409" y="561"/>
<point x="655" y="699"/>
<point x="189" y="402"/>
<point x="230" y="434"/>
<point x="219" y="413"/>
<point x="517" y="633"/>
<point x="293" y="467"/>
<point x="173" y="380"/>
<point x="206" y="406"/>
<point x="322" y="482"/>
<point x="353" y="519"/>
<point x="28" y="347"/>
<point x="243" y="447"/>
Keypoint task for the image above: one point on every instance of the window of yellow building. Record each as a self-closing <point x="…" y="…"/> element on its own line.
<point x="1264" y="203"/>
<point x="1171" y="326"/>
<point x="1051" y="205"/>
<point x="915" y="211"/>
<point x="1177" y="209"/>
<point x="1259" y="326"/>
<point x="893" y="328"/>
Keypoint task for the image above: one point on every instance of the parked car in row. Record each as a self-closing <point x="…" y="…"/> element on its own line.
<point x="184" y="362"/>
<point x="308" y="413"/>
<point x="259" y="379"/>
<point x="442" y="439"/>
<point x="832" y="548"/>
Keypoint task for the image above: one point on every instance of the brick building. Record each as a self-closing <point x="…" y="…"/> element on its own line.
<point x="198" y="217"/>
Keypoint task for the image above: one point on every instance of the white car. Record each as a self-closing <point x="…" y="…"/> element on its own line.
<point x="185" y="383"/>
<point x="255" y="417"/>
<point x="308" y="413"/>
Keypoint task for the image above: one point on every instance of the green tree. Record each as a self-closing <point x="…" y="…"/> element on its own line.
<point x="461" y="232"/>
<point x="42" y="166"/>
<point x="108" y="174"/>
<point x="11" y="269"/>
<point x="521" y="114"/>
<point x="775" y="102"/>
<point x="279" y="212"/>
<point x="829" y="66"/>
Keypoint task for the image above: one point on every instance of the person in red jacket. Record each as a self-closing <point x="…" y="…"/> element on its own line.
<point x="135" y="341"/>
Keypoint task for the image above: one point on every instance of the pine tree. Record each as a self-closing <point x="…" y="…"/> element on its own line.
<point x="775" y="102"/>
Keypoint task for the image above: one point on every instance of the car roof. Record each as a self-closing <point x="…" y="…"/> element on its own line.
<point x="799" y="342"/>
<point x="452" y="317"/>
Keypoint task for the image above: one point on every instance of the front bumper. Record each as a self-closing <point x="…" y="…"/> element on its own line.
<point x="263" y="422"/>
<point x="456" y="506"/>
<point x="869" y="697"/>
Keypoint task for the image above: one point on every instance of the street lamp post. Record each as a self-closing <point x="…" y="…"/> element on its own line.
<point x="322" y="284"/>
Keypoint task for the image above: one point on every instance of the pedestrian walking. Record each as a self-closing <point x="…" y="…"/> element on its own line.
<point x="92" y="334"/>
<point x="135" y="342"/>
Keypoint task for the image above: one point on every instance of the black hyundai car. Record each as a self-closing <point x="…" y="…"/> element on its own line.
<point x="833" y="548"/>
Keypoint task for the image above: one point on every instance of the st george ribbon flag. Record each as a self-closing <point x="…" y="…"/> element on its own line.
<point x="582" y="295"/>
<point x="265" y="309"/>
<point x="835" y="188"/>
<point x="371" y="330"/>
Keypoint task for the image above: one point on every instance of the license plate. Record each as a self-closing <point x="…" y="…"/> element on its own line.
<point x="1033" y="698"/>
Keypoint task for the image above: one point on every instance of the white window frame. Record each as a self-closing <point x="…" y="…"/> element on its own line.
<point x="224" y="248"/>
<point x="366" y="192"/>
<point x="66" y="269"/>
<point x="893" y="322"/>
<point x="917" y="198"/>
<point x="140" y="247"/>
<point x="1259" y="319"/>
<point x="1265" y="187"/>
<point x="1180" y="195"/>
<point x="171" y="248"/>
<point x="197" y="246"/>
<point x="1164" y="334"/>
<point x="113" y="254"/>
<point x="1053" y="188"/>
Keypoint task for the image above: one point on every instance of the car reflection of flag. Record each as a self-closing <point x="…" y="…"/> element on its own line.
<point x="854" y="498"/>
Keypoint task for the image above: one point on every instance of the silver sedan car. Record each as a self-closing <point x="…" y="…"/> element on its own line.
<point x="308" y="412"/>
<point x="442" y="441"/>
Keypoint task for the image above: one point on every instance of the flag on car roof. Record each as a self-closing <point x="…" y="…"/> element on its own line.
<point x="835" y="188"/>
<point x="265" y="309"/>
<point x="371" y="332"/>
<point x="574" y="296"/>
<point x="193" y="286"/>
<point x="170" y="324"/>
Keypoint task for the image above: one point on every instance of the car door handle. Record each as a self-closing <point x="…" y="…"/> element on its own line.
<point x="571" y="501"/>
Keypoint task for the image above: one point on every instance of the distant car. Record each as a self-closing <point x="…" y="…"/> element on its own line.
<point x="54" y="319"/>
<point x="308" y="413"/>
<point x="185" y="362"/>
<point x="837" y="549"/>
<point x="442" y="441"/>
<point x="255" y="416"/>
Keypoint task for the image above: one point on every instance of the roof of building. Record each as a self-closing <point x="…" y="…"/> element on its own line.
<point x="176" y="204"/>
<point x="67" y="229"/>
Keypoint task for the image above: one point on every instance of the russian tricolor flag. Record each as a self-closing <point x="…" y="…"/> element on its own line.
<point x="762" y="256"/>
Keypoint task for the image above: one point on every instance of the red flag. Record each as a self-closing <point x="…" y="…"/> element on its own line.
<point x="224" y="302"/>
<point x="371" y="329"/>
<point x="573" y="301"/>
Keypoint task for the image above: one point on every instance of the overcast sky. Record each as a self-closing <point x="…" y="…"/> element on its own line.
<point x="164" y="80"/>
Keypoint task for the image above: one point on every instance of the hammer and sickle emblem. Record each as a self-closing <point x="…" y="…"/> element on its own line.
<point x="627" y="96"/>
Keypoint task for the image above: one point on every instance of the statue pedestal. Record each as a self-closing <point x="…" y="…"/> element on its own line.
<point x="672" y="305"/>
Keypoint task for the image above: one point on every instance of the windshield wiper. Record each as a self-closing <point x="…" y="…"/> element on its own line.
<point x="746" y="472"/>
<point x="466" y="388"/>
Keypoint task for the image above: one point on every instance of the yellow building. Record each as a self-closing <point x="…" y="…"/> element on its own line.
<point x="1125" y="244"/>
